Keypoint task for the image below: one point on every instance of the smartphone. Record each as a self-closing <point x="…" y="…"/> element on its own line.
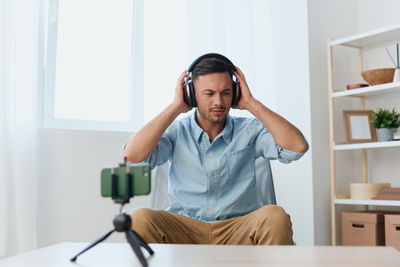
<point x="140" y="175"/>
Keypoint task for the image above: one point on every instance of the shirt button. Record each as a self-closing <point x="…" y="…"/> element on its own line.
<point x="209" y="156"/>
<point x="212" y="174"/>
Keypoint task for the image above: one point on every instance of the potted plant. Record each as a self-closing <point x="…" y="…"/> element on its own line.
<point x="386" y="122"/>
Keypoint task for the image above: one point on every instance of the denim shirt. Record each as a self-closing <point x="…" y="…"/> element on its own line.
<point x="215" y="181"/>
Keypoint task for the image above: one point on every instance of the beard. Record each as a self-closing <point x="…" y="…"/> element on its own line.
<point x="208" y="115"/>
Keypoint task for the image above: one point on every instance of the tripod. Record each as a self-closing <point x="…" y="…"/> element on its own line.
<point x="123" y="223"/>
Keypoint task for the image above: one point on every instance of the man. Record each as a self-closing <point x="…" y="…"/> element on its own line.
<point x="212" y="188"/>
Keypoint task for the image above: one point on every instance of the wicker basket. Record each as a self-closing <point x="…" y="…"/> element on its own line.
<point x="392" y="193"/>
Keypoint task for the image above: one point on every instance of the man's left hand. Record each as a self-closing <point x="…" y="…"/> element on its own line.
<point x="246" y="97"/>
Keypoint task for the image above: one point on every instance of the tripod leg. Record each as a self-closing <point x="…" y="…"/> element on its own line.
<point x="133" y="241"/>
<point x="143" y="243"/>
<point x="93" y="244"/>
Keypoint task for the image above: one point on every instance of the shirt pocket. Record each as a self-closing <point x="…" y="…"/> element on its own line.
<point x="241" y="165"/>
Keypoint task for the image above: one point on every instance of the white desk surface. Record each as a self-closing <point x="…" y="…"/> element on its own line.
<point x="120" y="254"/>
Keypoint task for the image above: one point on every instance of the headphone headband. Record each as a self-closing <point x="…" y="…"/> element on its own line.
<point x="210" y="55"/>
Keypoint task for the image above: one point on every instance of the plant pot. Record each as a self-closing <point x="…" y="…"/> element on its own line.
<point x="385" y="134"/>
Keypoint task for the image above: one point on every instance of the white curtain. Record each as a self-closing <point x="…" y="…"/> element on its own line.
<point x="18" y="124"/>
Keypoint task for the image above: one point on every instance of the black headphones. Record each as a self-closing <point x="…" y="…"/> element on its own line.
<point x="188" y="87"/>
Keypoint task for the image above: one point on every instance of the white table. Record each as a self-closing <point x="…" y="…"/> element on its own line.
<point x="120" y="254"/>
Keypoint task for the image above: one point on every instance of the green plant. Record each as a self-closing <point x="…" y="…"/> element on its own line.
<point x="385" y="118"/>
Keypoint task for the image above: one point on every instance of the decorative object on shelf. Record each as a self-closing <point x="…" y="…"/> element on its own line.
<point x="392" y="193"/>
<point x="356" y="86"/>
<point x="396" y="77"/>
<point x="378" y="76"/>
<point x="366" y="190"/>
<point x="386" y="122"/>
<point x="358" y="126"/>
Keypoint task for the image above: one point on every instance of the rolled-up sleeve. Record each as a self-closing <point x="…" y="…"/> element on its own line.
<point x="164" y="148"/>
<point x="269" y="149"/>
<point x="289" y="154"/>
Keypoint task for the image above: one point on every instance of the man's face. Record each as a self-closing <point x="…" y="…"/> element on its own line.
<point x="213" y="96"/>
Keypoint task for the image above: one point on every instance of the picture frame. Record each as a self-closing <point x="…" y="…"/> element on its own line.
<point x="358" y="126"/>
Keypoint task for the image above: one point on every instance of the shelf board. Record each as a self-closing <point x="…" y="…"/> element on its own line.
<point x="370" y="90"/>
<point x="371" y="38"/>
<point x="367" y="145"/>
<point x="371" y="202"/>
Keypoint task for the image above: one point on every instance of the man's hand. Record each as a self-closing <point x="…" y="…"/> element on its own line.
<point x="246" y="97"/>
<point x="179" y="102"/>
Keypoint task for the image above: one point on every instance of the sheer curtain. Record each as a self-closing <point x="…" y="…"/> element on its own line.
<point x="18" y="124"/>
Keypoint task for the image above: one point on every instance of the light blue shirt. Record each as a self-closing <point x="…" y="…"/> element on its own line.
<point x="215" y="181"/>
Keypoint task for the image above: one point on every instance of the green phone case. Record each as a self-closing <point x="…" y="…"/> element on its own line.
<point x="141" y="180"/>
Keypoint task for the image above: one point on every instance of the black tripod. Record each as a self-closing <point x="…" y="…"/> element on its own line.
<point x="122" y="223"/>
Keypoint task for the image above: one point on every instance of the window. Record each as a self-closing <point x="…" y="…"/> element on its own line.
<point x="90" y="73"/>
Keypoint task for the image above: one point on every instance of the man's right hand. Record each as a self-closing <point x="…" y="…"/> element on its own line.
<point x="179" y="102"/>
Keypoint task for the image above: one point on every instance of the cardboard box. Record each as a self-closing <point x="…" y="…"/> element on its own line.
<point x="392" y="230"/>
<point x="363" y="228"/>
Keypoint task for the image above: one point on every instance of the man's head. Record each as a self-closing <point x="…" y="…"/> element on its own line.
<point x="213" y="83"/>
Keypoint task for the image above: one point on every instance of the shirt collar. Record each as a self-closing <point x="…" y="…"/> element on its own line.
<point x="196" y="129"/>
<point x="226" y="133"/>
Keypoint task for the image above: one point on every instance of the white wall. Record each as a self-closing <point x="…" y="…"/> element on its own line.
<point x="290" y="98"/>
<point x="327" y="19"/>
<point x="373" y="14"/>
<point x="70" y="207"/>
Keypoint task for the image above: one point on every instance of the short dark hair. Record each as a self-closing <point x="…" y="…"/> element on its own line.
<point x="211" y="65"/>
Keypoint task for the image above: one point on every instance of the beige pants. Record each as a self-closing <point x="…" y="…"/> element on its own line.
<point x="269" y="225"/>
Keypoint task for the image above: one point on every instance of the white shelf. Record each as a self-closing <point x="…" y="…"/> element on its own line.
<point x="370" y="90"/>
<point x="371" y="38"/>
<point x="367" y="145"/>
<point x="372" y="202"/>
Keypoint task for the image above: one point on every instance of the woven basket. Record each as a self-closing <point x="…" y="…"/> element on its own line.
<point x="392" y="193"/>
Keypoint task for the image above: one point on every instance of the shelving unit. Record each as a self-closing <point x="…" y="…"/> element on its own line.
<point x="372" y="39"/>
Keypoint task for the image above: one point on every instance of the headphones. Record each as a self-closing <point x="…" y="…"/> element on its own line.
<point x="188" y="87"/>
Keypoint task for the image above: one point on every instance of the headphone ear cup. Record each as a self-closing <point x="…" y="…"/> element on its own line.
<point x="236" y="93"/>
<point x="192" y="94"/>
<point x="188" y="93"/>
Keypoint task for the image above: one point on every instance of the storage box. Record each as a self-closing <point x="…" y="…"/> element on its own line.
<point x="363" y="228"/>
<point x="392" y="230"/>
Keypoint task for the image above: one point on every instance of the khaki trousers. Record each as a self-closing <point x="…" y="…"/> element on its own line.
<point x="269" y="225"/>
